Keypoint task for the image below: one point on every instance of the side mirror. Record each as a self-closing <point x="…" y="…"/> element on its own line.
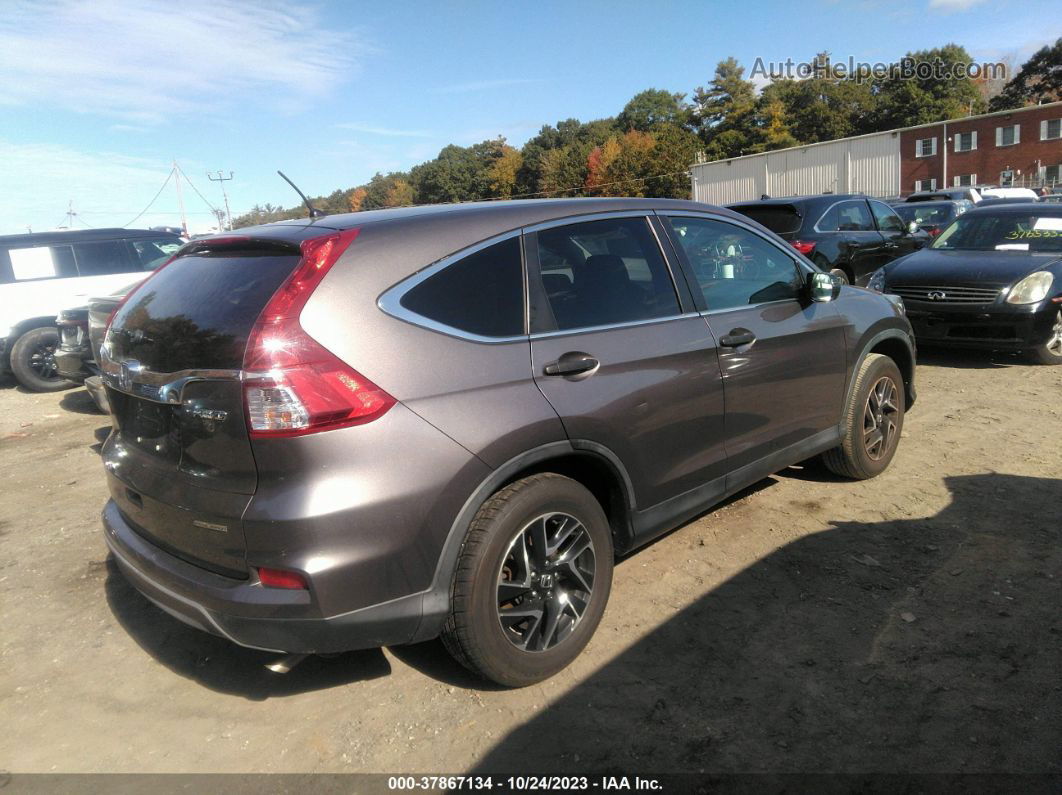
<point x="912" y="227"/>
<point x="823" y="287"/>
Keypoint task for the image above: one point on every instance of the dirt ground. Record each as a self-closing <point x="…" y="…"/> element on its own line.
<point x="911" y="623"/>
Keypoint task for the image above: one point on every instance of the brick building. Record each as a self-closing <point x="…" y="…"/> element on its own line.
<point x="1014" y="147"/>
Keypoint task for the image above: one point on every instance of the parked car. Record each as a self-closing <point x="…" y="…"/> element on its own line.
<point x="364" y="430"/>
<point x="992" y="201"/>
<point x="850" y="236"/>
<point x="932" y="217"/>
<point x="43" y="273"/>
<point x="1026" y="194"/>
<point x="81" y="331"/>
<point x="992" y="280"/>
<point x="1052" y="198"/>
<point x="973" y="195"/>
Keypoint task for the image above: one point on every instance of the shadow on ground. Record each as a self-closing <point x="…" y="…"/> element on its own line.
<point x="80" y="402"/>
<point x="970" y="359"/>
<point x="928" y="645"/>
<point x="220" y="665"/>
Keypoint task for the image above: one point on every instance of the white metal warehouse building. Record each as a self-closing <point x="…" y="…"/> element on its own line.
<point x="867" y="164"/>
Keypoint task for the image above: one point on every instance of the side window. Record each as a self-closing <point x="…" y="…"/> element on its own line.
<point x="481" y="294"/>
<point x="149" y="253"/>
<point x="733" y="267"/>
<point x="888" y="220"/>
<point x="851" y="216"/>
<point x="105" y="256"/>
<point x="599" y="273"/>
<point x="42" y="262"/>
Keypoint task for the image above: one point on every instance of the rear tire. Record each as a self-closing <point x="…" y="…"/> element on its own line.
<point x="1050" y="351"/>
<point x="521" y="611"/>
<point x="33" y="361"/>
<point x="873" y="421"/>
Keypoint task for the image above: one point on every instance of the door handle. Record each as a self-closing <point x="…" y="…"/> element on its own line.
<point x="737" y="337"/>
<point x="572" y="363"/>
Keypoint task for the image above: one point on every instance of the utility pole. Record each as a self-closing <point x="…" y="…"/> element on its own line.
<point x="70" y="215"/>
<point x="223" y="180"/>
<point x="180" y="199"/>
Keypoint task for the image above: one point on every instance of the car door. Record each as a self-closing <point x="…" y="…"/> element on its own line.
<point x="898" y="241"/>
<point x="782" y="356"/>
<point x="623" y="357"/>
<point x="851" y="221"/>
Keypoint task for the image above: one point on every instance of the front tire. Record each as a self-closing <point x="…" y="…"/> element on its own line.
<point x="33" y="361"/>
<point x="873" y="421"/>
<point x="532" y="581"/>
<point x="1050" y="351"/>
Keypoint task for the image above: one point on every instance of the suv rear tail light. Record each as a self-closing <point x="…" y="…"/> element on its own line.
<point x="804" y="247"/>
<point x="933" y="230"/>
<point x="293" y="384"/>
<point x="282" y="578"/>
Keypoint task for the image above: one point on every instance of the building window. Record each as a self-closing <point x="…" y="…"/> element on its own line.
<point x="925" y="147"/>
<point x="1051" y="130"/>
<point x="1008" y="136"/>
<point x="925" y="184"/>
<point x="1053" y="175"/>
<point x="964" y="180"/>
<point x="966" y="142"/>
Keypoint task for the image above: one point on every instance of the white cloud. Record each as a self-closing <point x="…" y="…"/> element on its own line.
<point x="953" y="5"/>
<point x="386" y="132"/>
<point x="144" y="60"/>
<point x="106" y="188"/>
<point x="483" y="85"/>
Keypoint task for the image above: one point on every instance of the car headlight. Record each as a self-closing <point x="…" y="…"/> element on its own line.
<point x="1031" y="289"/>
<point x="877" y="281"/>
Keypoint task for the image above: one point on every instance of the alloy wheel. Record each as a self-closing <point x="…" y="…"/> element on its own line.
<point x="879" y="418"/>
<point x="546" y="581"/>
<point x="1054" y="342"/>
<point x="42" y="362"/>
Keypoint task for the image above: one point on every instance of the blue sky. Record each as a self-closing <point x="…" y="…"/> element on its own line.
<point x="97" y="98"/>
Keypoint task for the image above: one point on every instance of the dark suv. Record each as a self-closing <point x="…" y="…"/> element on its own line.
<point x="379" y="428"/>
<point x="849" y="236"/>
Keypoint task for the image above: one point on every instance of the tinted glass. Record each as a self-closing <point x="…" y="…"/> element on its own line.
<point x="149" y="253"/>
<point x="888" y="220"/>
<point x="482" y="293"/>
<point x="852" y="216"/>
<point x="600" y="273"/>
<point x="197" y="311"/>
<point x="926" y="214"/>
<point x="38" y="262"/>
<point x="733" y="267"/>
<point x="779" y="219"/>
<point x="105" y="256"/>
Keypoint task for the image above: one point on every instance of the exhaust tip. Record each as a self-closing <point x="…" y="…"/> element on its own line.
<point x="283" y="665"/>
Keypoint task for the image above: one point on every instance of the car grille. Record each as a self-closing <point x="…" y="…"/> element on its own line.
<point x="947" y="294"/>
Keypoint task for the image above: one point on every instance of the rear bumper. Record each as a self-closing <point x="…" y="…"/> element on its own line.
<point x="75" y="364"/>
<point x="993" y="330"/>
<point x="246" y="613"/>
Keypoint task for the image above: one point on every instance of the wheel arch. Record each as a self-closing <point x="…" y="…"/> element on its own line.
<point x="20" y="328"/>
<point x="897" y="345"/>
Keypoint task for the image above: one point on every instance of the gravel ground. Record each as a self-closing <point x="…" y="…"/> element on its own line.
<point x="907" y="624"/>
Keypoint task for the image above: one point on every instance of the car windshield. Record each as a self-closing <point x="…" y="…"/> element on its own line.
<point x="925" y="214"/>
<point x="1003" y="232"/>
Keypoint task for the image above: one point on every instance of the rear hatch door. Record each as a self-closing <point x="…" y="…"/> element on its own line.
<point x="181" y="460"/>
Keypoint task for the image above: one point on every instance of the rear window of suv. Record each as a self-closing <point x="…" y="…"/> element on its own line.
<point x="781" y="219"/>
<point x="197" y="312"/>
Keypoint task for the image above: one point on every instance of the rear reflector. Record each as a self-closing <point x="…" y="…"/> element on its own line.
<point x="293" y="384"/>
<point x="804" y="247"/>
<point x="282" y="578"/>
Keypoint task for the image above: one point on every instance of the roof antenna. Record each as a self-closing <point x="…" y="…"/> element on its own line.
<point x="314" y="212"/>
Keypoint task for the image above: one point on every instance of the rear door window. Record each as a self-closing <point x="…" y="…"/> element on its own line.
<point x="102" y="257"/>
<point x="600" y="273"/>
<point x="850" y="216"/>
<point x="733" y="267"/>
<point x="480" y="294"/>
<point x="197" y="312"/>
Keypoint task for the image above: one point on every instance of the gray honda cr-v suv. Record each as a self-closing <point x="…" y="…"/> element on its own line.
<point x="379" y="428"/>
